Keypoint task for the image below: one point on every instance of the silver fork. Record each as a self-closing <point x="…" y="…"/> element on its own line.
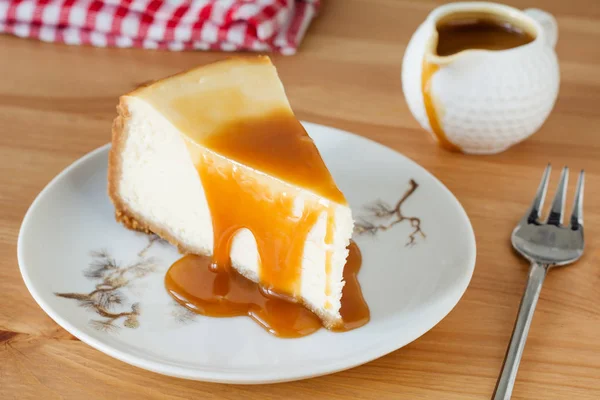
<point x="545" y="245"/>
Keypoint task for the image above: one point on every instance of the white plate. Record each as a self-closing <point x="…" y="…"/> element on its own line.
<point x="409" y="289"/>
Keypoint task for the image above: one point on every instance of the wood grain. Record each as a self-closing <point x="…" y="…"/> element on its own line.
<point x="57" y="103"/>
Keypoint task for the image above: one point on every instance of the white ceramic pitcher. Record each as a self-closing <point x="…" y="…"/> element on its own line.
<point x="482" y="101"/>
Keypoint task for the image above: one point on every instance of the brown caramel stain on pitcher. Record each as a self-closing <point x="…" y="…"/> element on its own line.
<point x="429" y="69"/>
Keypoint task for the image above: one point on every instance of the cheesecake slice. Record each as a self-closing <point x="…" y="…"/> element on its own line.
<point x="214" y="161"/>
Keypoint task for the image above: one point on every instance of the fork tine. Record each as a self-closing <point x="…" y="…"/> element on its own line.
<point x="558" y="204"/>
<point x="538" y="201"/>
<point x="577" y="215"/>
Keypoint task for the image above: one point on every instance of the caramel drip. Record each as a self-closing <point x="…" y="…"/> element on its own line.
<point x="329" y="253"/>
<point x="217" y="292"/>
<point x="429" y="69"/>
<point x="280" y="217"/>
<point x="355" y="311"/>
<point x="236" y="201"/>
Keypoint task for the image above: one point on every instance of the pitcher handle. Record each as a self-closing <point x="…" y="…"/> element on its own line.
<point x="548" y="23"/>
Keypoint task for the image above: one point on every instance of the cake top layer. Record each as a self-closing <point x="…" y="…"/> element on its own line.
<point x="238" y="109"/>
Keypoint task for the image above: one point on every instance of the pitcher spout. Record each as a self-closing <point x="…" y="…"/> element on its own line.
<point x="431" y="56"/>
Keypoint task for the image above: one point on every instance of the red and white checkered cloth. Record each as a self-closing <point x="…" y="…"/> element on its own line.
<point x="229" y="25"/>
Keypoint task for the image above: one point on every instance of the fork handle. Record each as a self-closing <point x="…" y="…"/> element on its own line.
<point x="506" y="381"/>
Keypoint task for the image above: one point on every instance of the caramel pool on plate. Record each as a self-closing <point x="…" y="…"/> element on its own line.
<point x="205" y="288"/>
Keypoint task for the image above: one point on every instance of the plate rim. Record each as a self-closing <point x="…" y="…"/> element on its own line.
<point x="235" y="377"/>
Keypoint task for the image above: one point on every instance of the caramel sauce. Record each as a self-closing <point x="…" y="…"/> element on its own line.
<point x="328" y="239"/>
<point x="197" y="284"/>
<point x="279" y="146"/>
<point x="465" y="32"/>
<point x="355" y="311"/>
<point x="460" y="34"/>
<point x="238" y="199"/>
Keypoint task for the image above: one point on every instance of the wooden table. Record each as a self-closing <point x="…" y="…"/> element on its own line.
<point x="57" y="103"/>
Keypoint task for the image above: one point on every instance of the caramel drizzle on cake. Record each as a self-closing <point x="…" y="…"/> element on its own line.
<point x="278" y="145"/>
